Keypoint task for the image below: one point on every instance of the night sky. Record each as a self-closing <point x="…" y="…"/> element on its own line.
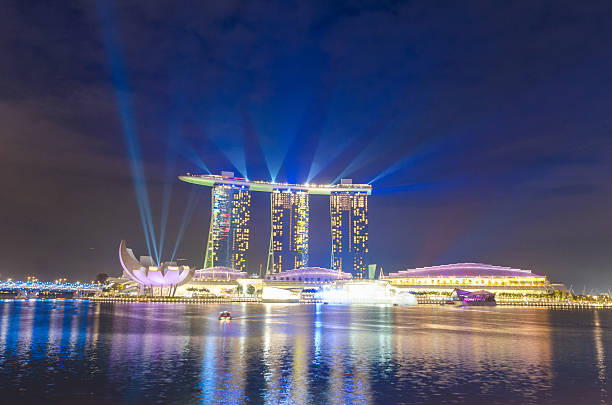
<point x="484" y="126"/>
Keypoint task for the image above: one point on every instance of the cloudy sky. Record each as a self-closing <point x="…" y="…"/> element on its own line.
<point x="484" y="127"/>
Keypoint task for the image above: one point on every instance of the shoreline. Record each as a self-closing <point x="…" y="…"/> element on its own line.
<point x="255" y="300"/>
<point x="505" y="302"/>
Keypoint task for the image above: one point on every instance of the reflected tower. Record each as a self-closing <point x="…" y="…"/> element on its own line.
<point x="228" y="237"/>
<point x="349" y="229"/>
<point x="289" y="230"/>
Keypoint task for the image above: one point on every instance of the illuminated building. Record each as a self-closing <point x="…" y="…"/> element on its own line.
<point x="226" y="178"/>
<point x="349" y="228"/>
<point x="159" y="279"/>
<point x="229" y="231"/>
<point x="471" y="276"/>
<point x="272" y="294"/>
<point x="228" y="238"/>
<point x="307" y="275"/>
<point x="218" y="274"/>
<point x="364" y="292"/>
<point x="213" y="281"/>
<point x="289" y="235"/>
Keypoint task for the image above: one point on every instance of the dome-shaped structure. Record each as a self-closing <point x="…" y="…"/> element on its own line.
<point x="469" y="276"/>
<point x="218" y="274"/>
<point x="150" y="275"/>
<point x="463" y="270"/>
<point x="309" y="275"/>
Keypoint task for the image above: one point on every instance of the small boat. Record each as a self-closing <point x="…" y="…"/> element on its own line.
<point x="225" y="316"/>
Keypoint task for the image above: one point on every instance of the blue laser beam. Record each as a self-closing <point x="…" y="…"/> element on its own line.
<point x="276" y="139"/>
<point x="192" y="202"/>
<point x="364" y="157"/>
<point x="393" y="168"/>
<point x="169" y="179"/>
<point x="125" y="109"/>
<point x="226" y="137"/>
<point x="419" y="154"/>
<point x="320" y="161"/>
<point x="190" y="153"/>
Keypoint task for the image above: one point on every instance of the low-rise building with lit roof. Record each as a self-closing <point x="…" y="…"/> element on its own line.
<point x="218" y="274"/>
<point x="307" y="275"/>
<point x="470" y="276"/>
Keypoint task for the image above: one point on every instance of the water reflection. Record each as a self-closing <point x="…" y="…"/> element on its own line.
<point x="176" y="353"/>
<point x="4" y="324"/>
<point x="24" y="335"/>
<point x="601" y="357"/>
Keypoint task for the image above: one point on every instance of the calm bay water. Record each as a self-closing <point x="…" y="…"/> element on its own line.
<point x="78" y="352"/>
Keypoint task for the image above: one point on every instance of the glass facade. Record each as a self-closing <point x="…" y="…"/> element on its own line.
<point x="349" y="230"/>
<point x="289" y="236"/>
<point x="228" y="238"/>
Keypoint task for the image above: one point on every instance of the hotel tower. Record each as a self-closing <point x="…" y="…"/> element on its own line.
<point x="228" y="238"/>
<point x="289" y="235"/>
<point x="348" y="211"/>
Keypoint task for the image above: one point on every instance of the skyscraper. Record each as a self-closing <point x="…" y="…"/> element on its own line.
<point x="289" y="236"/>
<point x="228" y="238"/>
<point x="349" y="228"/>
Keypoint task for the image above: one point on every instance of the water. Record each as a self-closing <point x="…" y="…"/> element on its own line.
<point x="77" y="352"/>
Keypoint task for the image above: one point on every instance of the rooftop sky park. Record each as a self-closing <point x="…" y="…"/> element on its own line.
<point x="228" y="179"/>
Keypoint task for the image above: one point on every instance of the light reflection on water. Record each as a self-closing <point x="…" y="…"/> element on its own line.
<point x="179" y="353"/>
<point x="601" y="358"/>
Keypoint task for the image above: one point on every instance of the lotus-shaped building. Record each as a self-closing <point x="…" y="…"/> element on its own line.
<point x="160" y="280"/>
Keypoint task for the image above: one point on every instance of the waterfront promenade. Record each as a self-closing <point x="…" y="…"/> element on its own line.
<point x="423" y="301"/>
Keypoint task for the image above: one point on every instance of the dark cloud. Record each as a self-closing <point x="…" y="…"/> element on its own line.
<point x="490" y="122"/>
<point x="570" y="190"/>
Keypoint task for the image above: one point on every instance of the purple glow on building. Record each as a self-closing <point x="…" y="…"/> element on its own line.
<point x="483" y="297"/>
<point x="167" y="275"/>
<point x="218" y="274"/>
<point x="463" y="270"/>
<point x="309" y="274"/>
